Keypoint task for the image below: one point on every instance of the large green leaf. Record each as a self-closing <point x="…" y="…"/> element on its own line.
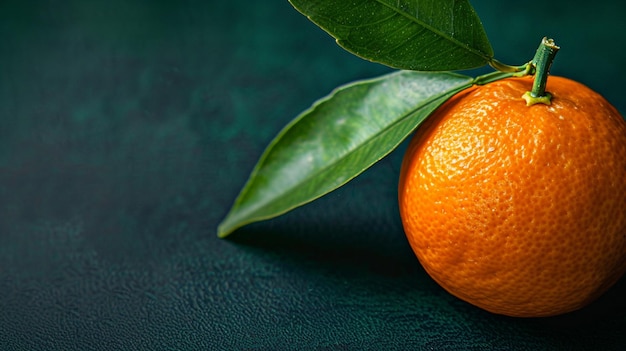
<point x="425" y="35"/>
<point x="336" y="139"/>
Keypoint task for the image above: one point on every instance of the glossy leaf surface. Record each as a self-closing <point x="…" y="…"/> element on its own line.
<point x="336" y="139"/>
<point x="425" y="35"/>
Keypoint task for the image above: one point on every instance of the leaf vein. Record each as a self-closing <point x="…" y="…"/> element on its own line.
<point x="433" y="29"/>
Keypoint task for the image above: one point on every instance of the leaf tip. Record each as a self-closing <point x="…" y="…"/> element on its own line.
<point x="224" y="230"/>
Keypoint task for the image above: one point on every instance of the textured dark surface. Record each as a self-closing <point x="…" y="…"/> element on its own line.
<point x="127" y="129"/>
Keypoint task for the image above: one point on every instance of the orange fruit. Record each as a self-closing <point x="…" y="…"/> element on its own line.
<point x="520" y="210"/>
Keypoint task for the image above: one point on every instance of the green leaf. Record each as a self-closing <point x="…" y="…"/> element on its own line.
<point x="336" y="139"/>
<point x="423" y="35"/>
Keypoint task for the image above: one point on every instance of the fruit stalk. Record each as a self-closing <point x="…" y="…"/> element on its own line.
<point x="542" y="63"/>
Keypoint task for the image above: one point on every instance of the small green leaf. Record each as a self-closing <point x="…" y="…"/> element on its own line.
<point x="423" y="35"/>
<point x="336" y="139"/>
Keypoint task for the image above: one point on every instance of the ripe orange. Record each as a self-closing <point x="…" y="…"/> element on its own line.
<point x="520" y="210"/>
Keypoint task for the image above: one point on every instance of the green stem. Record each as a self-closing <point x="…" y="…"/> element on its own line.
<point x="491" y="77"/>
<point x="542" y="63"/>
<point x="538" y="66"/>
<point x="520" y="71"/>
<point x="502" y="67"/>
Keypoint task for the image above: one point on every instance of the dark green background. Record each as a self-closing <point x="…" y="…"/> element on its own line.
<point x="127" y="129"/>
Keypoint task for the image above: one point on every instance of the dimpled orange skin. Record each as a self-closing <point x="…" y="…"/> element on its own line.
<point x="519" y="210"/>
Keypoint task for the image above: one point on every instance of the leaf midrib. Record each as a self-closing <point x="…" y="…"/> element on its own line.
<point x="436" y="31"/>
